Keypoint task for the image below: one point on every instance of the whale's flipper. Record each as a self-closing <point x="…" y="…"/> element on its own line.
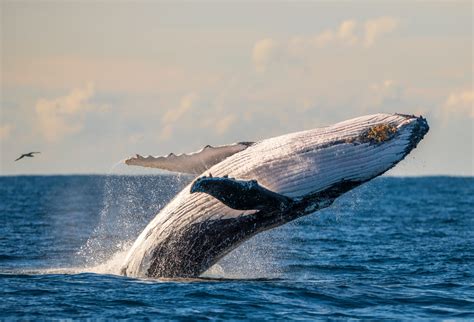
<point x="193" y="163"/>
<point x="241" y="194"/>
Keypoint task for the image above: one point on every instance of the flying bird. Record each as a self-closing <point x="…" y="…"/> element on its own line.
<point x="30" y="155"/>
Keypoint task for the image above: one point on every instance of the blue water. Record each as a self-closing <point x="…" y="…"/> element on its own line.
<point x="398" y="248"/>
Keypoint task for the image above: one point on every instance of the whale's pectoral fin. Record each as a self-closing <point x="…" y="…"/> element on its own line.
<point x="241" y="194"/>
<point x="194" y="163"/>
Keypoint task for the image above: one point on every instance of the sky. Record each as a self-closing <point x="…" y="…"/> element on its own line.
<point x="91" y="83"/>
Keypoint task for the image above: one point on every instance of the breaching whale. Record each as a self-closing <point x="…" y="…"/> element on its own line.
<point x="245" y="188"/>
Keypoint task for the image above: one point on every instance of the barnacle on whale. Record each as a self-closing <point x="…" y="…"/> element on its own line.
<point x="379" y="133"/>
<point x="376" y="134"/>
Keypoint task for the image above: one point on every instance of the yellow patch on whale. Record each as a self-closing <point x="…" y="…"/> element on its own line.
<point x="381" y="132"/>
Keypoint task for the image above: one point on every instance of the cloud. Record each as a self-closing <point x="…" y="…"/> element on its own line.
<point x="5" y="131"/>
<point x="348" y="33"/>
<point x="376" y="27"/>
<point x="262" y="52"/>
<point x="175" y="114"/>
<point x="345" y="34"/>
<point x="65" y="115"/>
<point x="386" y="90"/>
<point x="197" y="113"/>
<point x="386" y="96"/>
<point x="172" y="116"/>
<point x="135" y="138"/>
<point x="223" y="125"/>
<point x="143" y="76"/>
<point x="459" y="103"/>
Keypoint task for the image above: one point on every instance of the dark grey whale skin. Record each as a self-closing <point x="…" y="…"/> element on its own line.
<point x="193" y="250"/>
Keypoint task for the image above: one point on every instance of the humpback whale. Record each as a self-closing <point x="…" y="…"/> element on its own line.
<point x="245" y="188"/>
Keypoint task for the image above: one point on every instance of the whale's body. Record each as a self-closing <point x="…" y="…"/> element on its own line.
<point x="276" y="180"/>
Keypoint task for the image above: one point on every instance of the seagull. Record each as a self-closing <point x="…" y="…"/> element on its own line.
<point x="30" y="155"/>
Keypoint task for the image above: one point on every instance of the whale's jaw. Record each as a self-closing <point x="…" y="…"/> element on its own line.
<point x="284" y="178"/>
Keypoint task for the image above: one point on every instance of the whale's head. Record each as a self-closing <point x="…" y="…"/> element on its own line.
<point x="346" y="153"/>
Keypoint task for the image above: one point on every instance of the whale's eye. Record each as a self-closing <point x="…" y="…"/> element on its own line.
<point x="379" y="133"/>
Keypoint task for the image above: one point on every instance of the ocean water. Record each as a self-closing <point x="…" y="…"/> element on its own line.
<point x="395" y="248"/>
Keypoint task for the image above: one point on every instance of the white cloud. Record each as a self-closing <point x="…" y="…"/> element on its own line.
<point x="5" y="131"/>
<point x="374" y="28"/>
<point x="196" y="112"/>
<point x="211" y="117"/>
<point x="175" y="114"/>
<point x="135" y="138"/>
<point x="65" y="115"/>
<point x="387" y="96"/>
<point x="172" y="116"/>
<point x="223" y="125"/>
<point x="387" y="89"/>
<point x="345" y="34"/>
<point x="348" y="33"/>
<point x="459" y="103"/>
<point x="262" y="52"/>
<point x="166" y="132"/>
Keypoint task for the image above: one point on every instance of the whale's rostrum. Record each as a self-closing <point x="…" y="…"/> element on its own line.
<point x="246" y="188"/>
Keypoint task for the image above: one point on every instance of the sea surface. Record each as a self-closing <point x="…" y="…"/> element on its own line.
<point x="394" y="248"/>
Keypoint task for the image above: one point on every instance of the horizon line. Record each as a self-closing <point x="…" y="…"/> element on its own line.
<point x="169" y="173"/>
